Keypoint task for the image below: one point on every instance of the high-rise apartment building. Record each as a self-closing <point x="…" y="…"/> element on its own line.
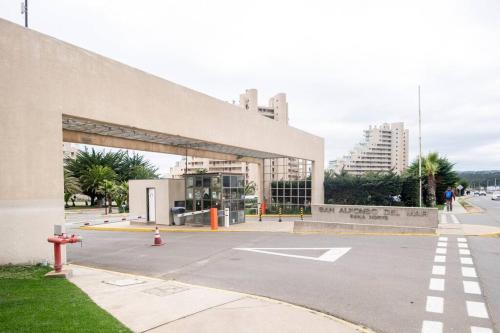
<point x="274" y="169"/>
<point x="384" y="148"/>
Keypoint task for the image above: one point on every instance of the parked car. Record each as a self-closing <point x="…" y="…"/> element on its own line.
<point x="482" y="193"/>
<point x="495" y="196"/>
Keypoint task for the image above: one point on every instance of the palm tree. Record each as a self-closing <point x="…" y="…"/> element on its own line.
<point x="93" y="178"/>
<point x="71" y="187"/>
<point x="108" y="188"/>
<point x="121" y="195"/>
<point x="430" y="164"/>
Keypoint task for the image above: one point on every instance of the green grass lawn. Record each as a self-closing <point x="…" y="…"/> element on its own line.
<point x="30" y="302"/>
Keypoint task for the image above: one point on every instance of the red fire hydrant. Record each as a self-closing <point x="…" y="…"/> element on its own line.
<point x="59" y="240"/>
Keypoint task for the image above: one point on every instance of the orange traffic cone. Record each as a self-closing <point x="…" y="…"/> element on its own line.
<point x="157" y="241"/>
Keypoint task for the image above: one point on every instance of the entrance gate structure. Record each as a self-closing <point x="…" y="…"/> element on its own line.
<point x="51" y="92"/>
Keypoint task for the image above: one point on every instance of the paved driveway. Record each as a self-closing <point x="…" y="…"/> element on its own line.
<point x="383" y="282"/>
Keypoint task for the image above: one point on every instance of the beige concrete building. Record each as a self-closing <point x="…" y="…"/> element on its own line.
<point x="151" y="199"/>
<point x="384" y="148"/>
<point x="53" y="92"/>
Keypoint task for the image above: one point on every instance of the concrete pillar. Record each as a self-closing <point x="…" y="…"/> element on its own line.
<point x="318" y="175"/>
<point x="31" y="157"/>
<point x="260" y="172"/>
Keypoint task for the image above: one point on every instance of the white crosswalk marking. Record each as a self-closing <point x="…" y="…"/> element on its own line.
<point x="466" y="261"/>
<point x="477" y="309"/>
<point x="472" y="287"/>
<point x="469" y="272"/>
<point x="443" y="239"/>
<point x="438" y="270"/>
<point x="454" y="219"/>
<point x="429" y="326"/>
<point x="463" y="245"/>
<point x="434" y="304"/>
<point x="464" y="251"/>
<point x="475" y="329"/>
<point x="436" y="284"/>
<point x="442" y="244"/>
<point x="444" y="219"/>
<point x="439" y="259"/>
<point x="441" y="250"/>
<point x="461" y="240"/>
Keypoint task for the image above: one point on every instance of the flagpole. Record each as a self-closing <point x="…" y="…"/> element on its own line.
<point x="419" y="150"/>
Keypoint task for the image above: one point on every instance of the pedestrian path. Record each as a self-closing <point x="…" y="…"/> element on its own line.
<point x="152" y="305"/>
<point x="454" y="301"/>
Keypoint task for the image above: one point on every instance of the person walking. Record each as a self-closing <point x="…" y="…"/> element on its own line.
<point x="449" y="196"/>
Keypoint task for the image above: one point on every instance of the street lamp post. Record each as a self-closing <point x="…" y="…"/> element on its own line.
<point x="24" y="10"/>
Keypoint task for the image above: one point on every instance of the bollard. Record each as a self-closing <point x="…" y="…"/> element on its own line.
<point x="279" y="212"/>
<point x="260" y="213"/>
<point x="213" y="219"/>
<point x="302" y="213"/>
<point x="263" y="208"/>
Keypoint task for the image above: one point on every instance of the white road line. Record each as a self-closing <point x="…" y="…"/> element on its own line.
<point x="472" y="287"/>
<point x="429" y="326"/>
<point x="461" y="240"/>
<point x="443" y="239"/>
<point x="454" y="219"/>
<point x="441" y="250"/>
<point x="436" y="284"/>
<point x="442" y="244"/>
<point x="434" y="304"/>
<point x="464" y="252"/>
<point x="444" y="219"/>
<point x="463" y="245"/>
<point x="439" y="259"/>
<point x="475" y="329"/>
<point x="469" y="272"/>
<point x="438" y="270"/>
<point x="466" y="261"/>
<point x="477" y="309"/>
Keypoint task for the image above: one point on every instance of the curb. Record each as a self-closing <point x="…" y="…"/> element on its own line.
<point x="359" y="328"/>
<point x="167" y="230"/>
<point x="124" y="229"/>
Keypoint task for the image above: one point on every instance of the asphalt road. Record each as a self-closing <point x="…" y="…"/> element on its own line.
<point x="491" y="214"/>
<point x="382" y="282"/>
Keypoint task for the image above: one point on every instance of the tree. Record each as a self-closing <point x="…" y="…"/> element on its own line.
<point x="107" y="188"/>
<point x="93" y="178"/>
<point x="120" y="193"/>
<point x="444" y="177"/>
<point x="71" y="186"/>
<point x="136" y="167"/>
<point x="430" y="166"/>
<point x="125" y="167"/>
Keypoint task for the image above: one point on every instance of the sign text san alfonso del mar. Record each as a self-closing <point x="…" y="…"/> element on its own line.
<point x="372" y="213"/>
<point x="383" y="215"/>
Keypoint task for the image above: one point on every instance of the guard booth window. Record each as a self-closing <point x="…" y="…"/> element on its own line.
<point x="217" y="190"/>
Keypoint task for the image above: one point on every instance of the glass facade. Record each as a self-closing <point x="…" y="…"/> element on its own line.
<point x="217" y="190"/>
<point x="287" y="184"/>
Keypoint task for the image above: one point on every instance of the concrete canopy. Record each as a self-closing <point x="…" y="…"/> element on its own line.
<point x="52" y="91"/>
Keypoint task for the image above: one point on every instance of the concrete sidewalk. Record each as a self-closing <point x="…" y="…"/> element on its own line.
<point x="147" y="304"/>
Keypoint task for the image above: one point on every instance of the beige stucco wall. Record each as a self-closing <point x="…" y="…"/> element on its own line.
<point x="42" y="78"/>
<point x="166" y="192"/>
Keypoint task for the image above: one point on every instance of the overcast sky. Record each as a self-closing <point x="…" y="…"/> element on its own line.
<point x="343" y="64"/>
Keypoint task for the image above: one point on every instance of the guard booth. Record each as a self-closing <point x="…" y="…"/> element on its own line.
<point x="217" y="190"/>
